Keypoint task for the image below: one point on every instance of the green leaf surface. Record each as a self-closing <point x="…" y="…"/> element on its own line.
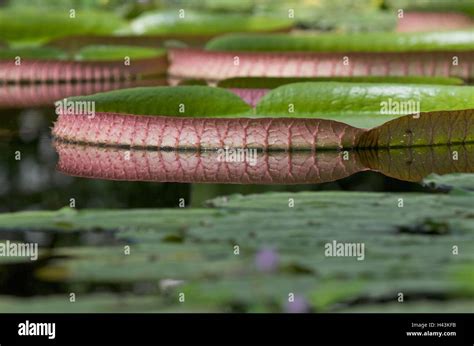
<point x="196" y="247"/>
<point x="425" y="129"/>
<point x="107" y="52"/>
<point x="274" y="82"/>
<point x="28" y="24"/>
<point x="87" y="53"/>
<point x="334" y="42"/>
<point x="201" y="23"/>
<point x="98" y="302"/>
<point x="362" y="105"/>
<point x="32" y="53"/>
<point x="337" y="15"/>
<point x="197" y="100"/>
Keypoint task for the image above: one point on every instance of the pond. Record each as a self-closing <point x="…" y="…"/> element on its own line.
<point x="236" y="157"/>
<point x="37" y="174"/>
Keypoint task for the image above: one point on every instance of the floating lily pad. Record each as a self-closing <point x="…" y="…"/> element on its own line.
<point x="50" y="53"/>
<point x="195" y="100"/>
<point x="274" y="82"/>
<point x="215" y="279"/>
<point x="462" y="40"/>
<point x="185" y="113"/>
<point x="91" y="63"/>
<point x="87" y="53"/>
<point x="189" y="22"/>
<point x="362" y="105"/>
<point x="27" y="24"/>
<point x="108" y="53"/>
<point x="457" y="181"/>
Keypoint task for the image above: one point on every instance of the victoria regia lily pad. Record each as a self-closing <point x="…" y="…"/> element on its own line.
<point x="442" y="54"/>
<point x="189" y="22"/>
<point x="300" y="116"/>
<point x="91" y="63"/>
<point x="252" y="89"/>
<point x="30" y="25"/>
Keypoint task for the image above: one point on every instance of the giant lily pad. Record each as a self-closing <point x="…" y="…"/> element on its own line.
<point x="274" y="82"/>
<point x="305" y="116"/>
<point x="251" y="90"/>
<point x="217" y="65"/>
<point x="91" y="63"/>
<point x="363" y="42"/>
<point x="27" y="24"/>
<point x="110" y="53"/>
<point x="195" y="100"/>
<point x="193" y="250"/>
<point x="26" y="95"/>
<point x="362" y="105"/>
<point x="328" y="55"/>
<point x="189" y="22"/>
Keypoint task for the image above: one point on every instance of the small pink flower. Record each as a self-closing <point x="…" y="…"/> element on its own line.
<point x="298" y="305"/>
<point x="267" y="260"/>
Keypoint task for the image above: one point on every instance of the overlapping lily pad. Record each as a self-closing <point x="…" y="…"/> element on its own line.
<point x="29" y="25"/>
<point x="363" y="42"/>
<point x="195" y="250"/>
<point x="90" y="63"/>
<point x="189" y="22"/>
<point x="325" y="115"/>
<point x="362" y="105"/>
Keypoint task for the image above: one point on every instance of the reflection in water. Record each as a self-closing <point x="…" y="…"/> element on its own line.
<point x="413" y="164"/>
<point x="113" y="163"/>
<point x="45" y="94"/>
<point x="205" y="166"/>
<point x="28" y="131"/>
